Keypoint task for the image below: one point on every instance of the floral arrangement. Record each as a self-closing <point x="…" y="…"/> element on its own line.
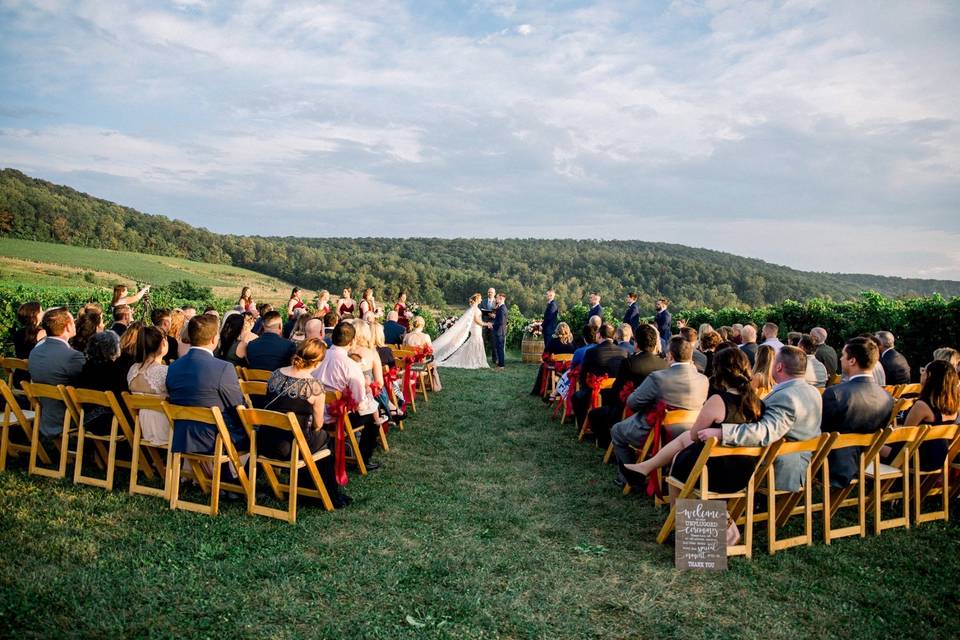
<point x="534" y="328"/>
<point x="413" y="308"/>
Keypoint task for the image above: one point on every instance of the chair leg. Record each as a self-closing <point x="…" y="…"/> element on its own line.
<point x="173" y="479"/>
<point x="294" y="476"/>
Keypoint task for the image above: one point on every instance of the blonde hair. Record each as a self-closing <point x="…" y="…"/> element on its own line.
<point x="309" y="354"/>
<point x="363" y="336"/>
<point x="418" y="322"/>
<point x="475" y="298"/>
<point x="563" y="333"/>
<point x="379" y="339"/>
<point x="177" y="319"/>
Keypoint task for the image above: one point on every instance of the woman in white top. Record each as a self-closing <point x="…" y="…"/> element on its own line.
<point x="149" y="376"/>
<point x="415" y="339"/>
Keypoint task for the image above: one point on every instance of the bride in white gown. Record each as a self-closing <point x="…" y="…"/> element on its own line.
<point x="461" y="346"/>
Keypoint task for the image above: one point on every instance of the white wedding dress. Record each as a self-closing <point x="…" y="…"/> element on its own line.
<point x="461" y="346"/>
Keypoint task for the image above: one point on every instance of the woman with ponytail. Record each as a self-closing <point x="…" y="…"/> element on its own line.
<point x="294" y="389"/>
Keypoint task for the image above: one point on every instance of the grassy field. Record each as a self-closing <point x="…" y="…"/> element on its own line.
<point x="487" y="520"/>
<point x="46" y="263"/>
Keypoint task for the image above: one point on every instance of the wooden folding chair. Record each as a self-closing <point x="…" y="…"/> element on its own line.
<point x="10" y="367"/>
<point x="909" y="390"/>
<point x="815" y="447"/>
<point x="136" y="403"/>
<point x="550" y="370"/>
<point x="351" y="434"/>
<point x="224" y="451"/>
<point x="884" y="477"/>
<point x="585" y="427"/>
<point x="670" y="419"/>
<point x="836" y="498"/>
<point x="739" y="503"/>
<point x="250" y="389"/>
<point x="36" y="392"/>
<point x="15" y="418"/>
<point x="120" y="431"/>
<point x="834" y="379"/>
<point x="300" y="457"/>
<point x="392" y="396"/>
<point x="254" y="375"/>
<point x="892" y="389"/>
<point x="928" y="484"/>
<point x="899" y="406"/>
<point x="402" y="358"/>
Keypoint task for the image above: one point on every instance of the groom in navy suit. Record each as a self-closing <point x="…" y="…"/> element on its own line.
<point x="499" y="329"/>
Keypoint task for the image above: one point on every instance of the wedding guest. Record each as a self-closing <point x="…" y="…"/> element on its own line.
<point x="313" y="329"/>
<point x="709" y="342"/>
<point x="770" y="331"/>
<point x="624" y="339"/>
<point x="262" y="309"/>
<point x="826" y="354"/>
<point x="30" y="332"/>
<point x="748" y="343"/>
<point x="816" y="372"/>
<point x="591" y="336"/>
<point x="732" y="401"/>
<point x="230" y="340"/>
<point x="879" y="374"/>
<point x="403" y="316"/>
<point x="148" y="376"/>
<point x="679" y="386"/>
<point x="551" y="316"/>
<point x="946" y="354"/>
<point x="128" y="345"/>
<point x="737" y="335"/>
<point x="393" y="330"/>
<point x="663" y="321"/>
<point x="87" y="325"/>
<point x="177" y="321"/>
<point x="595" y="308"/>
<point x="561" y="340"/>
<point x="246" y="303"/>
<point x="791" y="411"/>
<point x="163" y="320"/>
<point x="298" y="333"/>
<point x="763" y="370"/>
<point x="52" y="361"/>
<point x="858" y="405"/>
<point x="247" y="337"/>
<point x="793" y="338"/>
<point x="330" y="321"/>
<point x="417" y="337"/>
<point x="198" y="379"/>
<point x="102" y="372"/>
<point x="631" y="317"/>
<point x="699" y="357"/>
<point x="189" y="311"/>
<point x="294" y="303"/>
<point x="895" y="366"/>
<point x="120" y="295"/>
<point x="338" y="372"/>
<point x="939" y="404"/>
<point x="288" y="326"/>
<point x="293" y="389"/>
<point x="271" y="350"/>
<point x="602" y="360"/>
<point x="347" y="306"/>
<point x="389" y="361"/>
<point x="122" y="317"/>
<point x="372" y="368"/>
<point x="632" y="371"/>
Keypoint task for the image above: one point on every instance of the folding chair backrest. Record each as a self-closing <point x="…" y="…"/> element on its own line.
<point x="206" y="415"/>
<point x="910" y="436"/>
<point x="264" y="418"/>
<point x="908" y="390"/>
<point x="256" y="375"/>
<point x="10" y="366"/>
<point x="899" y="406"/>
<point x="946" y="432"/>
<point x="37" y="391"/>
<point x="250" y="389"/>
<point x="10" y="404"/>
<point x="142" y="401"/>
<point x="563" y="357"/>
<point x="870" y="442"/>
<point x="680" y="416"/>
<point x="80" y="398"/>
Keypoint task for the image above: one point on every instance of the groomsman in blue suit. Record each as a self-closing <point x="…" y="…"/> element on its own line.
<point x="499" y="329"/>
<point x="551" y="317"/>
<point x="595" y="308"/>
<point x="632" y="316"/>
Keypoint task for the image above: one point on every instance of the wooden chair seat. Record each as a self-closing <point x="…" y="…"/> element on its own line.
<point x="936" y="482"/>
<point x="15" y="417"/>
<point x="836" y="498"/>
<point x="36" y="392"/>
<point x="300" y="457"/>
<point x="120" y="431"/>
<point x="135" y="403"/>
<point x="884" y="477"/>
<point x="886" y="471"/>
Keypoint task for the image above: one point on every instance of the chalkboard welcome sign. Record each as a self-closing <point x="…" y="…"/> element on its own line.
<point x="701" y="535"/>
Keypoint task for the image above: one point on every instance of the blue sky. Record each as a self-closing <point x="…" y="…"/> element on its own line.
<point x="821" y="135"/>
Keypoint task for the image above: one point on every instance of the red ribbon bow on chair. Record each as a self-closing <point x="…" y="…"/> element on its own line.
<point x="655" y="420"/>
<point x="417" y="357"/>
<point x="338" y="410"/>
<point x="595" y="382"/>
<point x="545" y="368"/>
<point x="628" y="388"/>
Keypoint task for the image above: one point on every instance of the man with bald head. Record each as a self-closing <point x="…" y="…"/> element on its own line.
<point x="393" y="331"/>
<point x="748" y="336"/>
<point x="313" y="329"/>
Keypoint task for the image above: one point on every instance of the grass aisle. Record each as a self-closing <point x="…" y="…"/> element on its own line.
<point x="487" y="520"/>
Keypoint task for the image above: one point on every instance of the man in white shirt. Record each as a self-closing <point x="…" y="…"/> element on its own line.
<point x="770" y="331"/>
<point x="816" y="371"/>
<point x="339" y="372"/>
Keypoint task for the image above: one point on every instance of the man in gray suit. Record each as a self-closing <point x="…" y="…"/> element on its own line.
<point x="792" y="410"/>
<point x="54" y="361"/>
<point x="679" y="386"/>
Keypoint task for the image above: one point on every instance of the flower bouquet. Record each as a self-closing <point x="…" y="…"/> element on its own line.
<point x="534" y="328"/>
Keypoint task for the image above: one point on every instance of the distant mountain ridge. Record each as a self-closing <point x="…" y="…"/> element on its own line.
<point x="440" y="271"/>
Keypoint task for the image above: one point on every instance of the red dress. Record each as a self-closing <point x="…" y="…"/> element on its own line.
<point x="402" y="319"/>
<point x="344" y="309"/>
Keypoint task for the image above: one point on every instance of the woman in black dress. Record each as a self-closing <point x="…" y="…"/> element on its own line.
<point x="103" y="372"/>
<point x="733" y="401"/>
<point x="939" y="404"/>
<point x="294" y="388"/>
